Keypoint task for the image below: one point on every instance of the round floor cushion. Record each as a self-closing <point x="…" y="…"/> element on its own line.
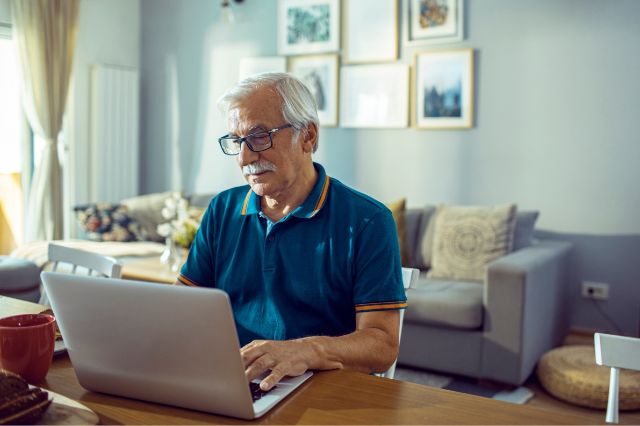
<point x="19" y="278"/>
<point x="570" y="373"/>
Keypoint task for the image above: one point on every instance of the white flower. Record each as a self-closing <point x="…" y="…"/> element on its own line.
<point x="180" y="226"/>
<point x="164" y="229"/>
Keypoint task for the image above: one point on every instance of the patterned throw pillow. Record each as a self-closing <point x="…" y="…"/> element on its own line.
<point x="466" y="238"/>
<point x="107" y="222"/>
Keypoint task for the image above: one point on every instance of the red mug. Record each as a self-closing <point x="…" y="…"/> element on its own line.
<point x="26" y="345"/>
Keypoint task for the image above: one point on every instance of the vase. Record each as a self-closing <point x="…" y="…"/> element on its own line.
<point x="171" y="256"/>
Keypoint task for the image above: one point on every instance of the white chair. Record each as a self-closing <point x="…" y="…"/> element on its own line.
<point x="616" y="352"/>
<point x="409" y="277"/>
<point x="92" y="263"/>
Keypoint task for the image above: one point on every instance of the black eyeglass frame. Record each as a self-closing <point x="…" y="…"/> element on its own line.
<point x="245" y="139"/>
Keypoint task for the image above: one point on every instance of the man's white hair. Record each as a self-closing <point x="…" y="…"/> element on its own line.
<point x="298" y="104"/>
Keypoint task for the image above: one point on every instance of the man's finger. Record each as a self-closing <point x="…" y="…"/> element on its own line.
<point x="272" y="379"/>
<point x="259" y="366"/>
<point x="250" y="352"/>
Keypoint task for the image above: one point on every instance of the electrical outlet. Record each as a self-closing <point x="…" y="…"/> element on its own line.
<point x="593" y="290"/>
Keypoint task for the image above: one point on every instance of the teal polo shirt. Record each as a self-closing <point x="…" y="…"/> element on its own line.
<point x="308" y="274"/>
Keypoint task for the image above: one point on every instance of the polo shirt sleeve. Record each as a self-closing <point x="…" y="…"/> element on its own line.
<point x="198" y="271"/>
<point x="378" y="271"/>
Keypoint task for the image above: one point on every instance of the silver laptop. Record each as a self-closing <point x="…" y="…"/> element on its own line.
<point x="168" y="344"/>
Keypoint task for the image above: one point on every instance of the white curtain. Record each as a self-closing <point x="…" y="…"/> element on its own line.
<point x="45" y="32"/>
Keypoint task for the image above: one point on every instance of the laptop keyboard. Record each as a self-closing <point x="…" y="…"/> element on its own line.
<point x="256" y="392"/>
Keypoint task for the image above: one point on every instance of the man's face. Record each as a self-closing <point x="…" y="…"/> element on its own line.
<point x="272" y="172"/>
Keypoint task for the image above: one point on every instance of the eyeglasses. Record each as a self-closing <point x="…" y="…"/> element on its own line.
<point x="256" y="142"/>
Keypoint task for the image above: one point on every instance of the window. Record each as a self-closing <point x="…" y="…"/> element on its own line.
<point x="11" y="127"/>
<point x="10" y="109"/>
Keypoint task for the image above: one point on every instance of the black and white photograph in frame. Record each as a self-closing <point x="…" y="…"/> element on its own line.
<point x="444" y="87"/>
<point x="320" y="74"/>
<point x="308" y="26"/>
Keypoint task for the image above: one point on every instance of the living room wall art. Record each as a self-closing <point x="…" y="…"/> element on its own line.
<point x="370" y="31"/>
<point x="374" y="96"/>
<point x="320" y="74"/>
<point x="443" y="89"/>
<point x="432" y="21"/>
<point x="308" y="26"/>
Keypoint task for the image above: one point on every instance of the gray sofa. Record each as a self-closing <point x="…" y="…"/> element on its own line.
<point x="497" y="329"/>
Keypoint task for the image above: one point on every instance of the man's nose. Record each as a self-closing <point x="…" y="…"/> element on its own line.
<point x="246" y="156"/>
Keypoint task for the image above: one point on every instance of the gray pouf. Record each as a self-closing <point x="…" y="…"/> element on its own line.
<point x="19" y="278"/>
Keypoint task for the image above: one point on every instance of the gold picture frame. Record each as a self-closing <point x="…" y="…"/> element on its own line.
<point x="443" y="89"/>
<point x="423" y="26"/>
<point x="369" y="31"/>
<point x="320" y="75"/>
<point x="308" y="26"/>
<point x="374" y="96"/>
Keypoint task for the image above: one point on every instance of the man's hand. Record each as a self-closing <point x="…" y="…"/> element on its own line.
<point x="283" y="358"/>
<point x="373" y="347"/>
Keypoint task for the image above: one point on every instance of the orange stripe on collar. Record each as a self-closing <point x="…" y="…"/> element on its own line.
<point x="246" y="202"/>
<point x="186" y="281"/>
<point x="322" y="198"/>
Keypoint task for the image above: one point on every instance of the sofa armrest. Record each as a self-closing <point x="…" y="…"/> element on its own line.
<point x="525" y="309"/>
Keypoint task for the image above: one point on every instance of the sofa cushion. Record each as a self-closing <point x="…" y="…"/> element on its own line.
<point x="107" y="222"/>
<point x="19" y="278"/>
<point x="146" y="210"/>
<point x="466" y="238"/>
<point x="397" y="210"/>
<point x="523" y="235"/>
<point x="455" y="304"/>
<point x="426" y="243"/>
<point x="420" y="245"/>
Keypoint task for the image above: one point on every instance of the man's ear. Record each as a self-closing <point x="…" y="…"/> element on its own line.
<point x="310" y="138"/>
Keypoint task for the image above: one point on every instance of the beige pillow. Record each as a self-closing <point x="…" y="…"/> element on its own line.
<point x="397" y="210"/>
<point x="147" y="211"/>
<point x="466" y="238"/>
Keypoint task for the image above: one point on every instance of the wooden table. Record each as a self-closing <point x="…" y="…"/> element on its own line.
<point x="332" y="397"/>
<point x="147" y="268"/>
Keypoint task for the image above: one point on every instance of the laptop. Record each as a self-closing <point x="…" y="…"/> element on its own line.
<point x="167" y="344"/>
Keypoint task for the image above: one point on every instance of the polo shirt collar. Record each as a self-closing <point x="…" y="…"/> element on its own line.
<point x="309" y="208"/>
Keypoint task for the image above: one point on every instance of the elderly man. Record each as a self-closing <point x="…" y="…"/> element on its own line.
<point x="312" y="267"/>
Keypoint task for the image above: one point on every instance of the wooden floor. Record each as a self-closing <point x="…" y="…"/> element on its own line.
<point x="545" y="401"/>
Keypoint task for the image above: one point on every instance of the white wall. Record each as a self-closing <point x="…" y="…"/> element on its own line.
<point x="108" y="33"/>
<point x="189" y="57"/>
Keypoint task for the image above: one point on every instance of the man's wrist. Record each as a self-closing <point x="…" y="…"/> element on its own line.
<point x="319" y="357"/>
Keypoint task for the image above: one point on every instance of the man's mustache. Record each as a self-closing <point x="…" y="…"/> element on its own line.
<point x="258" y="167"/>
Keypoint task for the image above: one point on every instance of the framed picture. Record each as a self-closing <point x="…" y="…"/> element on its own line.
<point x="308" y="26"/>
<point x="374" y="96"/>
<point x="320" y="74"/>
<point x="257" y="65"/>
<point x="432" y="21"/>
<point x="370" y="31"/>
<point x="443" y="89"/>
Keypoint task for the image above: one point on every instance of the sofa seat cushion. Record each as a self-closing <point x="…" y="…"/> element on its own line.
<point x="19" y="278"/>
<point x="455" y="304"/>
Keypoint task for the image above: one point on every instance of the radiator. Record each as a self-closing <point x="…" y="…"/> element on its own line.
<point x="114" y="133"/>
